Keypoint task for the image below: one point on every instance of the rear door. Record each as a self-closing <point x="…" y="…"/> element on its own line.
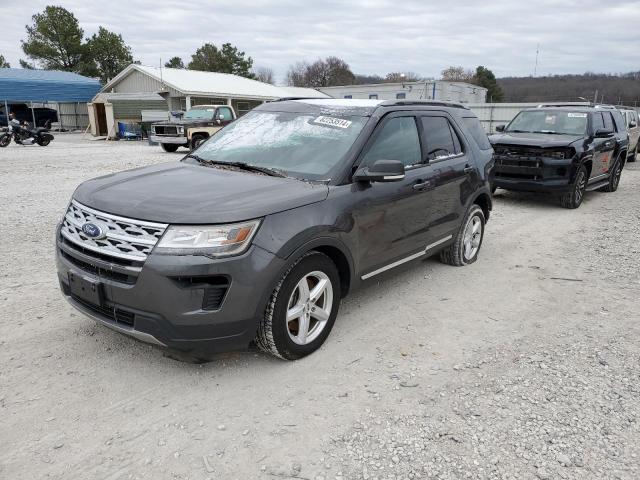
<point x="451" y="169"/>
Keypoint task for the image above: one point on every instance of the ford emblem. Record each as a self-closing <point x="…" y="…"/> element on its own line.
<point x="93" y="231"/>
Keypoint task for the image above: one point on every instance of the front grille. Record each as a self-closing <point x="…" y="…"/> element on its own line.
<point x="526" y="162"/>
<point x="126" y="239"/>
<point x="165" y="130"/>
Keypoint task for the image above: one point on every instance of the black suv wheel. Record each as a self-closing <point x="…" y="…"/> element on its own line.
<point x="573" y="198"/>
<point x="614" y="178"/>
<point x="302" y="308"/>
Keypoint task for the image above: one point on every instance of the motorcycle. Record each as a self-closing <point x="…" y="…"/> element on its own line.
<point x="23" y="135"/>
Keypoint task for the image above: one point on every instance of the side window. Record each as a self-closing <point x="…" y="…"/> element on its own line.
<point x="348" y="96"/>
<point x="373" y="96"/>
<point x="618" y="121"/>
<point x="608" y="121"/>
<point x="401" y="96"/>
<point x="438" y="138"/>
<point x="596" y="120"/>
<point x="477" y="132"/>
<point x="225" y="112"/>
<point x="398" y="140"/>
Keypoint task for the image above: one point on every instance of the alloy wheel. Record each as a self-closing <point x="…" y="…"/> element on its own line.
<point x="581" y="185"/>
<point x="472" y="237"/>
<point x="309" y="307"/>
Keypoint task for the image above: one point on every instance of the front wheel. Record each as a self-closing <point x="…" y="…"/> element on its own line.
<point x="5" y="140"/>
<point x="573" y="198"/>
<point x="466" y="245"/>
<point x="197" y="140"/>
<point x="169" y="147"/>
<point x="302" y="308"/>
<point x="634" y="154"/>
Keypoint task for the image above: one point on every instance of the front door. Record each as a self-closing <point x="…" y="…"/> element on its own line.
<point x="602" y="147"/>
<point x="392" y="219"/>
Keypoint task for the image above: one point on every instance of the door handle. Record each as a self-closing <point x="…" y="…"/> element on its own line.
<point x="607" y="144"/>
<point x="468" y="169"/>
<point x="421" y="185"/>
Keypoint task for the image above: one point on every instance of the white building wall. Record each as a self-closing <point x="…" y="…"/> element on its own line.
<point x="429" y="90"/>
<point x="137" y="82"/>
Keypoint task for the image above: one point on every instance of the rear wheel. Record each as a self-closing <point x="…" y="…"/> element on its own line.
<point x="43" y="141"/>
<point x="466" y="245"/>
<point x="5" y="140"/>
<point x="169" y="147"/>
<point x="302" y="308"/>
<point x="634" y="154"/>
<point x="573" y="198"/>
<point x="614" y="178"/>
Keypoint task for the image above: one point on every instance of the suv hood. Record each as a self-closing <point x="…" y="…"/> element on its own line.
<point x="543" y="140"/>
<point x="181" y="193"/>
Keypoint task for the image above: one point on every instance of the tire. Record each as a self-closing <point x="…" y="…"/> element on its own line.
<point x="614" y="178"/>
<point x="5" y="140"/>
<point x="634" y="155"/>
<point x="493" y="189"/>
<point x="466" y="245"/>
<point x="573" y="198"/>
<point x="43" y="142"/>
<point x="169" y="147"/>
<point x="283" y="338"/>
<point x="197" y="140"/>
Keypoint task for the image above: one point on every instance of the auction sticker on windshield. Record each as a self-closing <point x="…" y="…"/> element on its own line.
<point x="577" y="115"/>
<point x="332" y="121"/>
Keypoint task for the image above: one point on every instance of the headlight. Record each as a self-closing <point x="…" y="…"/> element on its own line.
<point x="153" y="129"/>
<point x="180" y="130"/>
<point x="210" y="240"/>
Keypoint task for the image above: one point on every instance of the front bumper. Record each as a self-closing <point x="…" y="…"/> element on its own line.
<point x="169" y="139"/>
<point x="166" y="304"/>
<point x="550" y="186"/>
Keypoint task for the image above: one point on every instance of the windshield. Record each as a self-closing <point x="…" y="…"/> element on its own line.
<point x="200" y="113"/>
<point x="299" y="144"/>
<point x="545" y="121"/>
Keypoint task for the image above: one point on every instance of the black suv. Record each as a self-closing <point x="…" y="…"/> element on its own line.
<point x="259" y="233"/>
<point x="565" y="150"/>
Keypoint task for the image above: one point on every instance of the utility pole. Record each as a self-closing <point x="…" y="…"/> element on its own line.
<point x="535" y="69"/>
<point x="595" y="97"/>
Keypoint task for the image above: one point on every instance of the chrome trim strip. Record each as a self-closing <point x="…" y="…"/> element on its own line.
<point x="125" y="256"/>
<point x="406" y="259"/>
<point x="117" y="218"/>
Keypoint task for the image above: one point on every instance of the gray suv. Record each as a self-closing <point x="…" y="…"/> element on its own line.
<point x="258" y="234"/>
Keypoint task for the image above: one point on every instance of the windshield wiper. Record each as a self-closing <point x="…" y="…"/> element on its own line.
<point x="517" y="131"/>
<point x="547" y="132"/>
<point x="241" y="165"/>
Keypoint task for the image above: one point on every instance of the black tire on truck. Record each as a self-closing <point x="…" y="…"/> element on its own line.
<point x="573" y="198"/>
<point x="197" y="140"/>
<point x="169" y="147"/>
<point x="468" y="240"/>
<point x="614" y="177"/>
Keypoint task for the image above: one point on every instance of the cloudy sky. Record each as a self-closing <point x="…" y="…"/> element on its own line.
<point x="373" y="36"/>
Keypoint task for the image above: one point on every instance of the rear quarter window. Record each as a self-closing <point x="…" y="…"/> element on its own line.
<point x="474" y="127"/>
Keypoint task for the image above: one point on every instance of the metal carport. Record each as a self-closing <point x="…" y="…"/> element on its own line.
<point x="67" y="92"/>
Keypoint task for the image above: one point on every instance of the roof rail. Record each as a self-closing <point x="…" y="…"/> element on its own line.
<point x="433" y="103"/>
<point x="284" y="99"/>
<point x="565" y="105"/>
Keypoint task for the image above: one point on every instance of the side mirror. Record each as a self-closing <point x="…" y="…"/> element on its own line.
<point x="632" y="124"/>
<point x="381" y="171"/>
<point x="604" y="133"/>
<point x="500" y="128"/>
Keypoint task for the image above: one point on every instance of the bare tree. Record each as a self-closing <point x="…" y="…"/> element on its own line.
<point x="296" y="75"/>
<point x="265" y="74"/>
<point x="397" y="77"/>
<point x="457" y="74"/>
<point x="322" y="73"/>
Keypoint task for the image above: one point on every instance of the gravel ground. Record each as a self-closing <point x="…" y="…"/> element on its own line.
<point x="523" y="365"/>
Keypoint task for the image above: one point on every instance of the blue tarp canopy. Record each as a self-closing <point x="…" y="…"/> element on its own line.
<point x="22" y="85"/>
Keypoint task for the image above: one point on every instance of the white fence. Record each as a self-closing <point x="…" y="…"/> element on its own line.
<point x="494" y="114"/>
